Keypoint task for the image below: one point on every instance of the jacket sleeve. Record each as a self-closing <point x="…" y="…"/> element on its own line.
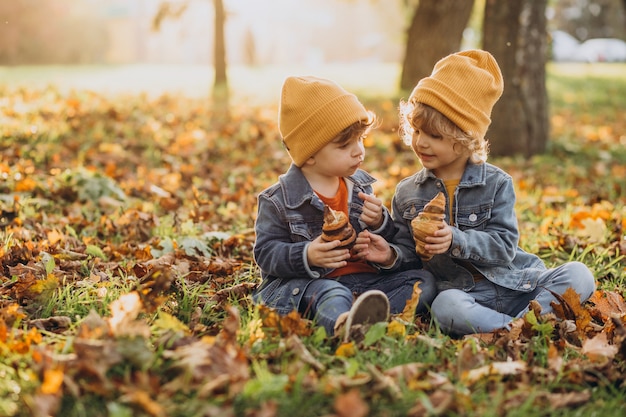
<point x="387" y="229"/>
<point x="274" y="251"/>
<point x="403" y="241"/>
<point x="495" y="244"/>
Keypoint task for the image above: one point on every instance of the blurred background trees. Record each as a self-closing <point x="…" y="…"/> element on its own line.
<point x="51" y="32"/>
<point x="411" y="33"/>
<point x="515" y="33"/>
<point x="288" y="32"/>
<point x="436" y="30"/>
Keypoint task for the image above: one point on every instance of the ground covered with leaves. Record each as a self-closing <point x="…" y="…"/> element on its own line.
<point x="126" y="249"/>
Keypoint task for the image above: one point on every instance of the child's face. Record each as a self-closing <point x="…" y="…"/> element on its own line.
<point x="441" y="154"/>
<point x="339" y="158"/>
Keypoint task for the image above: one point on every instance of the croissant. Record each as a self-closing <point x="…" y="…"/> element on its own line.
<point x="427" y="222"/>
<point x="337" y="227"/>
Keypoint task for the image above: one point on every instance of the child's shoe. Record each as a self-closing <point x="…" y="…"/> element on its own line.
<point x="369" y="308"/>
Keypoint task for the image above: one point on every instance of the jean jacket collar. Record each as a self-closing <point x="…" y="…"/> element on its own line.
<point x="297" y="190"/>
<point x="475" y="174"/>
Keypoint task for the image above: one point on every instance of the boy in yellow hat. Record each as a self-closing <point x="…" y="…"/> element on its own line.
<point x="322" y="127"/>
<point x="484" y="279"/>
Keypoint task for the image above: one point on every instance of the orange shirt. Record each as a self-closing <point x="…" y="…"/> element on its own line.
<point x="339" y="202"/>
<point x="450" y="188"/>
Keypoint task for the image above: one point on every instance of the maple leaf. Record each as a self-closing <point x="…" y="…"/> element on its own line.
<point x="569" y="308"/>
<point x="593" y="230"/>
<point x="606" y="304"/>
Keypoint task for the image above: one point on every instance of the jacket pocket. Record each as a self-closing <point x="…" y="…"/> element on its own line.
<point x="412" y="210"/>
<point x="473" y="217"/>
<point x="302" y="231"/>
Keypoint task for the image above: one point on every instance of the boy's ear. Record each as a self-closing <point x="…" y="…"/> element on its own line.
<point x="460" y="149"/>
<point x="310" y="161"/>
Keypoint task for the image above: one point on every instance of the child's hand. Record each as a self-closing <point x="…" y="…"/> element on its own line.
<point x="373" y="248"/>
<point x="372" y="210"/>
<point x="440" y="241"/>
<point x="326" y="255"/>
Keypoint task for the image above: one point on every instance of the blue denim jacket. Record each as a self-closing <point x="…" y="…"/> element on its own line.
<point x="290" y="215"/>
<point x="484" y="232"/>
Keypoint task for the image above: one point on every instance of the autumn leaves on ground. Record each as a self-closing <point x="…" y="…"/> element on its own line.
<point x="127" y="270"/>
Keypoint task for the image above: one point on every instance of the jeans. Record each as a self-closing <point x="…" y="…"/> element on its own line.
<point x="324" y="300"/>
<point x="488" y="307"/>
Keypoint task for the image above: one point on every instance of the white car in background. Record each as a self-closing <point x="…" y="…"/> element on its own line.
<point x="601" y="50"/>
<point x="566" y="48"/>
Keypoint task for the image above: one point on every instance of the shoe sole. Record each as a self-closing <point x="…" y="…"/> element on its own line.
<point x="369" y="308"/>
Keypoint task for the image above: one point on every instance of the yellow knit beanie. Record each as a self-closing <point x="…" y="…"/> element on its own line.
<point x="313" y="111"/>
<point x="464" y="87"/>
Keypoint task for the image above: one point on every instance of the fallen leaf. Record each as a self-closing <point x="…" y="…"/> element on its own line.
<point x="494" y="369"/>
<point x="598" y="349"/>
<point x="346" y="350"/>
<point x="351" y="404"/>
<point x="408" y="313"/>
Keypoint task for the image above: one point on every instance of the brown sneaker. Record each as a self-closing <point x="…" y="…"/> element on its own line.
<point x="369" y="308"/>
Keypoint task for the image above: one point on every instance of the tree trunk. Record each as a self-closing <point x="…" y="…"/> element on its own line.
<point x="220" y="85"/>
<point x="515" y="33"/>
<point x="436" y="31"/>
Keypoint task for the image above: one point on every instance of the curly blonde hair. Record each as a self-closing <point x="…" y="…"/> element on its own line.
<point x="419" y="116"/>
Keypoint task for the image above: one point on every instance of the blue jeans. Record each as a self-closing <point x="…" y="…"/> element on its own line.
<point x="488" y="307"/>
<point x="323" y="300"/>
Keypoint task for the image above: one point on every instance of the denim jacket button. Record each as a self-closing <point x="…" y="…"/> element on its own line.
<point x="526" y="286"/>
<point x="473" y="217"/>
<point x="456" y="252"/>
<point x="295" y="291"/>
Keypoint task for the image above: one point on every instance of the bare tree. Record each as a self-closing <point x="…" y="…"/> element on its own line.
<point x="220" y="85"/>
<point x="173" y="10"/>
<point x="515" y="33"/>
<point x="436" y="30"/>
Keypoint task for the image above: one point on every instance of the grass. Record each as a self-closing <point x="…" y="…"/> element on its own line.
<point x="566" y="198"/>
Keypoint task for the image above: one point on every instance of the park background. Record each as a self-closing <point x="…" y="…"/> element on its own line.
<point x="128" y="198"/>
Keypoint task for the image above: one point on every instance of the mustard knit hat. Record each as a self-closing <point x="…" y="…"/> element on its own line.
<point x="464" y="87"/>
<point x="312" y="113"/>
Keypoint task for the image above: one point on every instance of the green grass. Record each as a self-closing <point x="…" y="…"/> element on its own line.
<point x="589" y="90"/>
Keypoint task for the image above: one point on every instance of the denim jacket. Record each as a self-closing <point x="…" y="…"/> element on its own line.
<point x="484" y="232"/>
<point x="290" y="215"/>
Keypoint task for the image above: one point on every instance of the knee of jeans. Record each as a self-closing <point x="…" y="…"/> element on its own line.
<point x="335" y="293"/>
<point x="429" y="291"/>
<point x="583" y="281"/>
<point x="448" y="306"/>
